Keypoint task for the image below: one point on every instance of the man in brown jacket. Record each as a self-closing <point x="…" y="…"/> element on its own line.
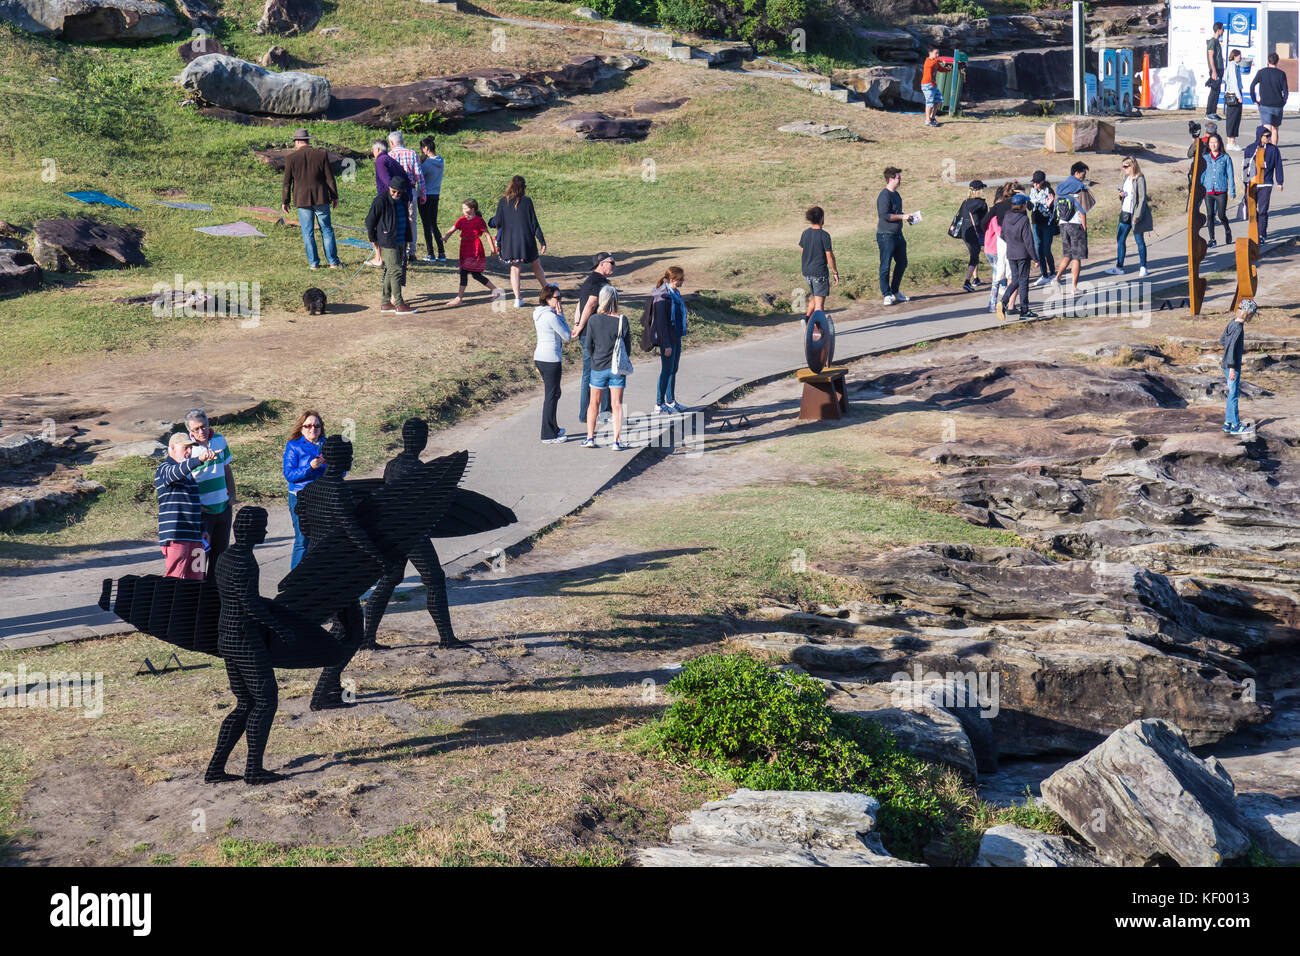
<point x="307" y="175"/>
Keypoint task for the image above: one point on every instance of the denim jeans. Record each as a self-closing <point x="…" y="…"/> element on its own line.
<point x="1234" y="390"/>
<point x="1121" y="243"/>
<point x="299" y="542"/>
<point x="584" y="393"/>
<point x="893" y="249"/>
<point x="1043" y="249"/>
<point x="666" y="390"/>
<point x="308" y="216"/>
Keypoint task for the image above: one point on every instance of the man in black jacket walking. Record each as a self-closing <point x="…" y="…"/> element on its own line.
<point x="1269" y="91"/>
<point x="1019" y="237"/>
<point x="386" y="225"/>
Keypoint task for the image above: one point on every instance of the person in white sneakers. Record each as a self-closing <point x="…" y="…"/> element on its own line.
<point x="552" y="333"/>
<point x="1134" y="217"/>
<point x="889" y="236"/>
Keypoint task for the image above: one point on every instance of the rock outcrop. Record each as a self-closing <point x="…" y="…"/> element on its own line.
<point x="230" y="83"/>
<point x="777" y="828"/>
<point x="199" y="46"/>
<point x="1008" y="845"/>
<point x="91" y="21"/>
<point x="289" y="17"/>
<point x="18" y="272"/>
<point x="606" y="126"/>
<point x="1142" y="797"/>
<point x="80" y="245"/>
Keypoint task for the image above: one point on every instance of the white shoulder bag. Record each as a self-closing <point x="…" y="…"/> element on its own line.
<point x="622" y="364"/>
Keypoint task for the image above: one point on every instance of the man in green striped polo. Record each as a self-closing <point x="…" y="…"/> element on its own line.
<point x="216" y="484"/>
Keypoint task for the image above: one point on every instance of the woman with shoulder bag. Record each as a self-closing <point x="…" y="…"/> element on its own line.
<point x="1232" y="98"/>
<point x="609" y="343"/>
<point x="1134" y="217"/>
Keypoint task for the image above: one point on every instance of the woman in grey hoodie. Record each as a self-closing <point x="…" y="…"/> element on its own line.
<point x="1019" y="237"/>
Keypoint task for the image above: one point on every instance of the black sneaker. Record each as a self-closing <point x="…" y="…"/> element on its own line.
<point x="1212" y="244"/>
<point x="967" y="287"/>
<point x="1029" y="314"/>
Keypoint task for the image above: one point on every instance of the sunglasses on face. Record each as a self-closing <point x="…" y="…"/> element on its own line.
<point x="312" y="427"/>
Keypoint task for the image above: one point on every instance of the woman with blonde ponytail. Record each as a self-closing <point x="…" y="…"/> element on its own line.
<point x="667" y="326"/>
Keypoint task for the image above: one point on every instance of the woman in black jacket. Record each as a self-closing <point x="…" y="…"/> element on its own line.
<point x="518" y="235"/>
<point x="972" y="213"/>
<point x="1020" y="252"/>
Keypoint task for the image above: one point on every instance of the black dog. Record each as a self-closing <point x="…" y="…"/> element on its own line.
<point x="313" y="300"/>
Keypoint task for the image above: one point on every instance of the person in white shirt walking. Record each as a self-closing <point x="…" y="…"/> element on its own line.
<point x="552" y="333"/>
<point x="1134" y="217"/>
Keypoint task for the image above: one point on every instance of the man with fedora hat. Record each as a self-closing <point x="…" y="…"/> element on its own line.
<point x="308" y="177"/>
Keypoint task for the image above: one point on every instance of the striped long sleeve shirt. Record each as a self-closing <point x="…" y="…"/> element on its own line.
<point x="180" y="513"/>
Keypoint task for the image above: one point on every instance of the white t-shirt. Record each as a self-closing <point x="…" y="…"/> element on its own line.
<point x="1129" y="194"/>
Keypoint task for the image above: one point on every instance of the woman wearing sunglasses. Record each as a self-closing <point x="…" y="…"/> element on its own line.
<point x="303" y="464"/>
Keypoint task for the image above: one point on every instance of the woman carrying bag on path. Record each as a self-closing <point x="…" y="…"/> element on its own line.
<point x="609" y="343"/>
<point x="1134" y="217"/>
<point x="668" y="324"/>
<point x="519" y="235"/>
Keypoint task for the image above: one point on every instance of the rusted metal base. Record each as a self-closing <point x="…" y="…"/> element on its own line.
<point x="823" y="394"/>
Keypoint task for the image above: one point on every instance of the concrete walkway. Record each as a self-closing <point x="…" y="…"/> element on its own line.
<point x="543" y="483"/>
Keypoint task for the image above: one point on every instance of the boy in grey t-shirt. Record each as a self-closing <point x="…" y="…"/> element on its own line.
<point x="818" y="263"/>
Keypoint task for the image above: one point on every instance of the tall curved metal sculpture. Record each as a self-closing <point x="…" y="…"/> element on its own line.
<point x="1248" y="245"/>
<point x="1196" y="244"/>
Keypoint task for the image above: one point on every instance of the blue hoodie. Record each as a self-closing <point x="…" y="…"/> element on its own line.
<point x="1272" y="161"/>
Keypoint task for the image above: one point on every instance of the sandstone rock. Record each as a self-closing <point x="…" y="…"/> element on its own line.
<point x="277" y="56"/>
<point x="18" y="272"/>
<point x="289" y="17"/>
<point x="91" y="21"/>
<point x="191" y="50"/>
<point x="657" y="106"/>
<point x="1080" y="134"/>
<point x="892" y="44"/>
<point x="226" y="82"/>
<point x="80" y="245"/>
<point x="603" y="126"/>
<point x="21" y="448"/>
<point x="777" y="828"/>
<point x="1009" y="845"/>
<point x="1274" y="822"/>
<point x="23" y="502"/>
<point x="1143" y="797"/>
<point x="586" y="13"/>
<point x="817" y="130"/>
<point x="143" y="449"/>
<point x="198" y="13"/>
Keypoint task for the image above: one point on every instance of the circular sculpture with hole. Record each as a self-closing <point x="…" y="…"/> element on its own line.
<point x="819" y="341"/>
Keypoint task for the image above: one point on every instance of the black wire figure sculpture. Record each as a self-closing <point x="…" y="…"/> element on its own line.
<point x="357" y="530"/>
<point x="469" y="513"/>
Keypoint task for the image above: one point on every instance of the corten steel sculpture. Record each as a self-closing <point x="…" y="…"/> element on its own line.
<point x="469" y="513"/>
<point x="1196" y="244"/>
<point x="823" y="382"/>
<point x="1248" y="245"/>
<point x="353" y="530"/>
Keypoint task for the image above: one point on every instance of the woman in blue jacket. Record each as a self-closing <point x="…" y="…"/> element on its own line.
<point x="303" y="464"/>
<point x="668" y="318"/>
<point x="1220" y="185"/>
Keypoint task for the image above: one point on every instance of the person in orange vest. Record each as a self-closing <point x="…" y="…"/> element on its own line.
<point x="929" y="89"/>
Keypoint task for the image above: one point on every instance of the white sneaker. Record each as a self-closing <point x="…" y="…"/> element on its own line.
<point x="680" y="408"/>
<point x="428" y="259"/>
<point x="889" y="300"/>
<point x="558" y="439"/>
<point x="662" y="410"/>
<point x="1041" y="281"/>
<point x="1114" y="271"/>
<point x="1143" y="272"/>
<point x="899" y="297"/>
<point x="519" y="303"/>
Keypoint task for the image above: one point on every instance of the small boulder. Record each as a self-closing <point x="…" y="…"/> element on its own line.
<point x="587" y="13"/>
<point x="289" y="17"/>
<point x="1142" y="796"/>
<point x="191" y="50"/>
<point x="604" y="126"/>
<point x="80" y="245"/>
<point x="277" y="57"/>
<point x="1010" y="845"/>
<point x="18" y="272"/>
<point x="91" y="21"/>
<point x="657" y="106"/>
<point x="818" y="130"/>
<point x="226" y="82"/>
<point x="1080" y="134"/>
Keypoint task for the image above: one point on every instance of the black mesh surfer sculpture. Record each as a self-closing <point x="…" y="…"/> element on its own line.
<point x="324" y="506"/>
<point x="354" y="525"/>
<point x="469" y="513"/>
<point x="244" y="631"/>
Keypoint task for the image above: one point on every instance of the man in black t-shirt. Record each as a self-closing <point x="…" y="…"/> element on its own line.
<point x="1214" y="57"/>
<point x="889" y="236"/>
<point x="818" y="260"/>
<point x="602" y="264"/>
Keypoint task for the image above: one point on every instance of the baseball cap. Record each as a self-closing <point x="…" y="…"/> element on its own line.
<point x="1038" y="177"/>
<point x="978" y="184"/>
<point x="1019" y="198"/>
<point x="180" y="438"/>
<point x="600" y="257"/>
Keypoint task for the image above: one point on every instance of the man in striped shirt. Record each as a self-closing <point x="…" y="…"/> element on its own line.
<point x="216" y="483"/>
<point x="409" y="160"/>
<point x="180" y="515"/>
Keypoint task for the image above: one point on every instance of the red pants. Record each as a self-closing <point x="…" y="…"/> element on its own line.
<point x="185" y="559"/>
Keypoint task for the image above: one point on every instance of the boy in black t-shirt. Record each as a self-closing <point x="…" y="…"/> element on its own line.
<point x="818" y="260"/>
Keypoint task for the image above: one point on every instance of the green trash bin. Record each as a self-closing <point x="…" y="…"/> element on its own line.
<point x="950" y="83"/>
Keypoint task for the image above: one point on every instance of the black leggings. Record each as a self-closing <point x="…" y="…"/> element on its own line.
<point x="972" y="247"/>
<point x="429" y="219"/>
<point x="1217" y="204"/>
<point x="465" y="274"/>
<point x="550" y="372"/>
